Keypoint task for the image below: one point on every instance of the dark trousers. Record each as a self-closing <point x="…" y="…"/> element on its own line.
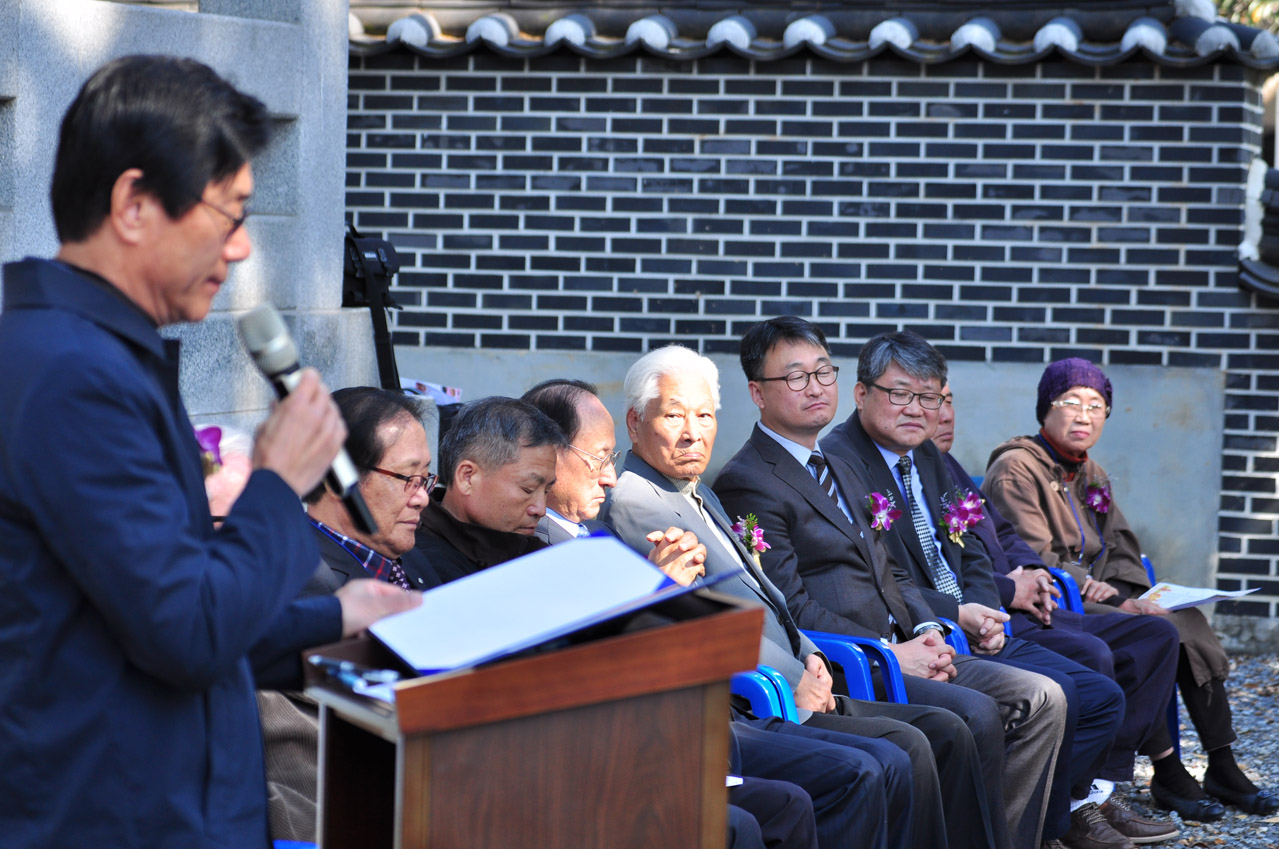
<point x="951" y="807"/>
<point x="1095" y="711"/>
<point x="1138" y="653"/>
<point x="743" y="830"/>
<point x="1208" y="707"/>
<point x="855" y="783"/>
<point x="783" y="814"/>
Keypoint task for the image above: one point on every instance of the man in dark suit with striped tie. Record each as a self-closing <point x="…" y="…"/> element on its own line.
<point x="672" y="395"/>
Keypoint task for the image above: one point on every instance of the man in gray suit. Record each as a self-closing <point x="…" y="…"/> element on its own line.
<point x="671" y="396"/>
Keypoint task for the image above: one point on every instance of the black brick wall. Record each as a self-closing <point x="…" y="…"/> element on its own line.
<point x="1009" y="214"/>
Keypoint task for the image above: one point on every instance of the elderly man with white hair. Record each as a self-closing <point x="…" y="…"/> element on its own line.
<point x="672" y="395"/>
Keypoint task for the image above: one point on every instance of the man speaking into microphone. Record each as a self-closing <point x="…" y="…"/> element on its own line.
<point x="127" y="715"/>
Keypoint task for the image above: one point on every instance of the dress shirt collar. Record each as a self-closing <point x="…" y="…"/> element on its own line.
<point x="801" y="453"/>
<point x="574" y="528"/>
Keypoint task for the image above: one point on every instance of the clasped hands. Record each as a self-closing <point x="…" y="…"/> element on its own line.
<point x="678" y="553"/>
<point x="1036" y="593"/>
<point x="926" y="656"/>
<point x="814" y="691"/>
<point x="984" y="627"/>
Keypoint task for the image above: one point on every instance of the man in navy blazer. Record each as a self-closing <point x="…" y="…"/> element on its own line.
<point x="672" y="395"/>
<point x="127" y="712"/>
<point x="886" y="441"/>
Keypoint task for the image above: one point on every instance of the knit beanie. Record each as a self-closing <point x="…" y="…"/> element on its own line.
<point x="1062" y="375"/>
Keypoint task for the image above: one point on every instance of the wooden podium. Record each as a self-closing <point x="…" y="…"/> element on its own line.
<point x="617" y="743"/>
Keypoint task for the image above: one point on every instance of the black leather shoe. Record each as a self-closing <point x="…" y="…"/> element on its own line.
<point x="1199" y="810"/>
<point x="1261" y="802"/>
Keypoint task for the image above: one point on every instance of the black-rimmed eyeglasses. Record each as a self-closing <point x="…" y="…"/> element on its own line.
<point x="903" y="397"/>
<point x="412" y="483"/>
<point x="236" y="221"/>
<point x="797" y="380"/>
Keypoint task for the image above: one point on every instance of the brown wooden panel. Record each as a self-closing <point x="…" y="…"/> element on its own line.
<point x="623" y="775"/>
<point x="686" y="653"/>
<point x="415" y="781"/>
<point x="715" y="701"/>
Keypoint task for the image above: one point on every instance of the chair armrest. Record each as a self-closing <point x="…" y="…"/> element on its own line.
<point x="889" y="669"/>
<point x="781" y="702"/>
<point x="759" y="690"/>
<point x="955" y="638"/>
<point x="1070" y="597"/>
<point x="853" y="659"/>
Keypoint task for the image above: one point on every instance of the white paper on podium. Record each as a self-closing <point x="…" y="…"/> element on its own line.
<point x="523" y="603"/>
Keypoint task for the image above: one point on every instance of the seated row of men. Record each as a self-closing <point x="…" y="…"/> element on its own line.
<point x="863" y="533"/>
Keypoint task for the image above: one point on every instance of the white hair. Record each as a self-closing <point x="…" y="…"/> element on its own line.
<point x="642" y="378"/>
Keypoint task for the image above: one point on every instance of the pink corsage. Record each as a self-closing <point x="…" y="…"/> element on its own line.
<point x="209" y="438"/>
<point x="961" y="510"/>
<point x="883" y="512"/>
<point x="751" y="535"/>
<point x="1097" y="496"/>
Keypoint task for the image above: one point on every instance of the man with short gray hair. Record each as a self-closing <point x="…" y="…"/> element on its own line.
<point x="672" y="395"/>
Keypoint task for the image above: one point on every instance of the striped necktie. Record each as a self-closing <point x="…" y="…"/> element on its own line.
<point x="825" y="480"/>
<point x="943" y="578"/>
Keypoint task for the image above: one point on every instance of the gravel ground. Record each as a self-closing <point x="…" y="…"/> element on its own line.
<point x="1254" y="698"/>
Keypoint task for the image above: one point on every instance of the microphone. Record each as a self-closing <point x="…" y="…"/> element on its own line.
<point x="269" y="343"/>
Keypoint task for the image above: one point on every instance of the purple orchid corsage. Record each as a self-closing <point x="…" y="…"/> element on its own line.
<point x="209" y="438"/>
<point x="1097" y="496"/>
<point x="751" y="534"/>
<point x="883" y="511"/>
<point x="961" y="510"/>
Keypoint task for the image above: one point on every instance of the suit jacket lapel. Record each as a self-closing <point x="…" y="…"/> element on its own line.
<point x="880" y="566"/>
<point x="691" y="519"/>
<point x="884" y="481"/>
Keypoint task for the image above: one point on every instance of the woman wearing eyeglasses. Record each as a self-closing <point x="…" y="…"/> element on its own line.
<point x="1061" y="503"/>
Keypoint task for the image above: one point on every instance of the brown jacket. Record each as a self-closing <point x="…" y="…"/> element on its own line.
<point x="1030" y="488"/>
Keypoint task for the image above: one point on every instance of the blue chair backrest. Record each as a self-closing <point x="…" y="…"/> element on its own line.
<point x="853" y="660"/>
<point x="1070" y="597"/>
<point x="872" y="650"/>
<point x="767" y="691"/>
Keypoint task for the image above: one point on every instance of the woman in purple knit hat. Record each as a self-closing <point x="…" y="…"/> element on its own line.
<point x="1061" y="503"/>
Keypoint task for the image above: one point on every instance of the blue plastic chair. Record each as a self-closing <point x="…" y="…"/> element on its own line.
<point x="293" y="844"/>
<point x="767" y="691"/>
<point x="1070" y="597"/>
<point x="872" y="651"/>
<point x="956" y="639"/>
<point x="1174" y="720"/>
<point x="856" y="666"/>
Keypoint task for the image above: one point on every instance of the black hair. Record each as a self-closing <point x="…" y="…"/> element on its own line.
<point x="766" y="335"/>
<point x="365" y="409"/>
<point x="912" y="353"/>
<point x="558" y="399"/>
<point x="492" y="431"/>
<point x="174" y="119"/>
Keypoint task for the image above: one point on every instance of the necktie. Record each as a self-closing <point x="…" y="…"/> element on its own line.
<point x="582" y="531"/>
<point x="943" y="578"/>
<point x="825" y="479"/>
